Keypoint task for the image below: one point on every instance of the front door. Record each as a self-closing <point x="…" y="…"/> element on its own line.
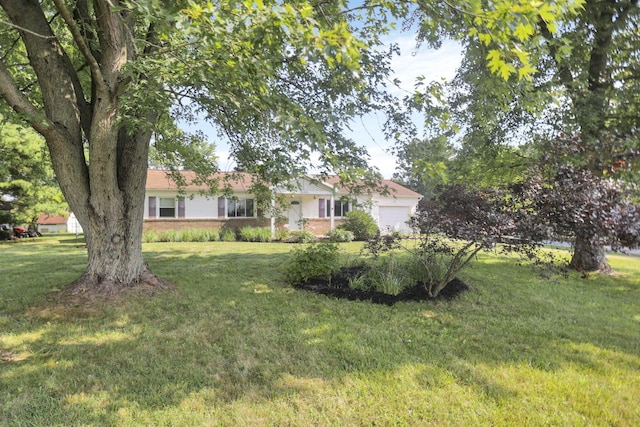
<point x="295" y="215"/>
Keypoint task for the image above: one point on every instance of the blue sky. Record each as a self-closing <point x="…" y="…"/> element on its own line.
<point x="412" y="63"/>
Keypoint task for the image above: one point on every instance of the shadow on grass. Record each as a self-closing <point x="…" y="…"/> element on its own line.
<point x="235" y="331"/>
<point x="73" y="241"/>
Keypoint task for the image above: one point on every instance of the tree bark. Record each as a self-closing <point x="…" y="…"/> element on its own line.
<point x="588" y="257"/>
<point x="114" y="247"/>
<point x="106" y="193"/>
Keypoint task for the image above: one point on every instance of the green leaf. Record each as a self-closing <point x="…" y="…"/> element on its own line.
<point x="524" y="31"/>
<point x="526" y="72"/>
<point x="506" y="70"/>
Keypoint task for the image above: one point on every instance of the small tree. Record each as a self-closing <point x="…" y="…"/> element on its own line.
<point x="459" y="223"/>
<point x="582" y="194"/>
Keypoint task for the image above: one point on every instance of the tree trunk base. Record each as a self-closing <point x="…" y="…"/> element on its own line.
<point x="589" y="258"/>
<point x="605" y="269"/>
<point x="90" y="288"/>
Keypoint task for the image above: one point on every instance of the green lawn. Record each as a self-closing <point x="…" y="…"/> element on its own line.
<point x="235" y="346"/>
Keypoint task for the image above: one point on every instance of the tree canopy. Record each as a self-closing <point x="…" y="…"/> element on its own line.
<point x="572" y="78"/>
<point x="579" y="75"/>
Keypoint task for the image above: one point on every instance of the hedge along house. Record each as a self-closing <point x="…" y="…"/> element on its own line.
<point x="317" y="205"/>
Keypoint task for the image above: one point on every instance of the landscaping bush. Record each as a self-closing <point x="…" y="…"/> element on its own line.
<point x="282" y="234"/>
<point x="317" y="260"/>
<point x="170" y="236"/>
<point x="189" y="235"/>
<point x="255" y="234"/>
<point x="227" y="235"/>
<point x="202" y="235"/>
<point x="150" y="236"/>
<point x="212" y="234"/>
<point x="361" y="224"/>
<point x="338" y="235"/>
<point x="301" y="236"/>
<point x="361" y="281"/>
<point x="391" y="274"/>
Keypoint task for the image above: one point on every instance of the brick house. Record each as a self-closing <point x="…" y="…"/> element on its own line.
<point x="318" y="205"/>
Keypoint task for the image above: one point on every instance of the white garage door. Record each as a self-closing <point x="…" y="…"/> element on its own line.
<point x="394" y="218"/>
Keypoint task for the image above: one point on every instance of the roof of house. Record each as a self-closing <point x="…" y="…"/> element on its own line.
<point x="46" y="219"/>
<point x="161" y="180"/>
<point x="240" y="181"/>
<point x="393" y="188"/>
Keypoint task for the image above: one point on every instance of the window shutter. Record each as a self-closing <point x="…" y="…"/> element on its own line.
<point x="322" y="208"/>
<point x="222" y="207"/>
<point x="249" y="208"/>
<point x="152" y="206"/>
<point x="181" y="208"/>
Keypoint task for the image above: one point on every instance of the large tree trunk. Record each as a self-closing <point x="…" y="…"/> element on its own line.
<point x="105" y="190"/>
<point x="108" y="200"/>
<point x="588" y="257"/>
<point x="114" y="247"/>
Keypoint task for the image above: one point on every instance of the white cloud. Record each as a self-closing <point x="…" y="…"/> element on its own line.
<point x="431" y="64"/>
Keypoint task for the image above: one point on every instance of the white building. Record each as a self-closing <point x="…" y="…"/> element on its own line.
<point x="315" y="204"/>
<point x="57" y="223"/>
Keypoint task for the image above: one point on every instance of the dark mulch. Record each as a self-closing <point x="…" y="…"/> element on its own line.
<point x="338" y="287"/>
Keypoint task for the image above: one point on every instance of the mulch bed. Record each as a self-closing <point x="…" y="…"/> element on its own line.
<point x="338" y="287"/>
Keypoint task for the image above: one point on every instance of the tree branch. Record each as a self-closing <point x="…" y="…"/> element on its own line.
<point x="603" y="36"/>
<point x="26" y="30"/>
<point x="462" y="11"/>
<point x="566" y="78"/>
<point x="20" y="103"/>
<point x="80" y="41"/>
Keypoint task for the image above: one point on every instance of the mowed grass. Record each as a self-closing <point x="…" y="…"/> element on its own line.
<point x="235" y="346"/>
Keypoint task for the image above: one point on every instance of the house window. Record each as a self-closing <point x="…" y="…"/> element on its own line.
<point x="167" y="207"/>
<point x="241" y="208"/>
<point x="340" y="208"/>
<point x="152" y="206"/>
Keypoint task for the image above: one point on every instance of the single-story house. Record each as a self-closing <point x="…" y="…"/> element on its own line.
<point x="56" y="223"/>
<point x="315" y="204"/>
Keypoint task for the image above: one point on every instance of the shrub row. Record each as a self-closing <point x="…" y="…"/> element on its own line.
<point x="244" y="234"/>
<point x="358" y="226"/>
